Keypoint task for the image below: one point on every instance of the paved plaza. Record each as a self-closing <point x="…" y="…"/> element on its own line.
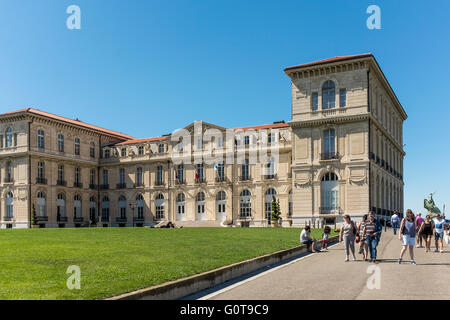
<point x="325" y="275"/>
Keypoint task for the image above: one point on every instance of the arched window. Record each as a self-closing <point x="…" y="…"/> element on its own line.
<point x="329" y="144"/>
<point x="160" y="207"/>
<point x="180" y="203"/>
<point x="60" y="142"/>
<point x="270" y="193"/>
<point x="122" y="207"/>
<point x="200" y="206"/>
<point x="140" y="206"/>
<point x="105" y="208"/>
<point x="60" y="206"/>
<point x="77" y="206"/>
<point x="41" y="138"/>
<point x="9" y="137"/>
<point x="328" y="95"/>
<point x="41" y="209"/>
<point x="9" y="205"/>
<point x="330" y="193"/>
<point x="221" y="203"/>
<point x="245" y="204"/>
<point x="77" y="146"/>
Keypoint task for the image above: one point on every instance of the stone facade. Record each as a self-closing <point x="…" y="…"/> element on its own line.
<point x="333" y="157"/>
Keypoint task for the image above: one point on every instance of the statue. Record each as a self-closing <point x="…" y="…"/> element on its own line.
<point x="430" y="206"/>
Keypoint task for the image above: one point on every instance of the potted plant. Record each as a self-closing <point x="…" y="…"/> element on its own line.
<point x="276" y="213"/>
<point x="34" y="222"/>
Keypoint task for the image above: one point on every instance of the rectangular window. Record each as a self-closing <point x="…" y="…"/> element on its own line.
<point x="40" y="172"/>
<point x="141" y="150"/>
<point x="92" y="150"/>
<point x="60" y="143"/>
<point x="15" y="139"/>
<point x="342" y="98"/>
<point x="139" y="177"/>
<point x="40" y="138"/>
<point x="1" y="141"/>
<point x="77" y="175"/>
<point x="159" y="176"/>
<point x="220" y="170"/>
<point x="60" y="173"/>
<point x="314" y="101"/>
<point x="105" y="177"/>
<point x="271" y="138"/>
<point x="247" y="140"/>
<point x="220" y="142"/>
<point x="245" y="171"/>
<point x="107" y="153"/>
<point x="77" y="146"/>
<point x="161" y="148"/>
<point x="92" y="177"/>
<point x="123" y="152"/>
<point x="122" y="176"/>
<point x="180" y="173"/>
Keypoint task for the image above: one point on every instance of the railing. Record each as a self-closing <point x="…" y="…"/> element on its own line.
<point x="78" y="219"/>
<point x="378" y="160"/>
<point x="121" y="186"/>
<point x="140" y="184"/>
<point x="139" y="219"/>
<point x="42" y="218"/>
<point x="245" y="178"/>
<point x="105" y="218"/>
<point x="92" y="186"/>
<point x="8" y="218"/>
<point x="61" y="183"/>
<point x="180" y="181"/>
<point x="8" y="180"/>
<point x="77" y="185"/>
<point x="61" y="219"/>
<point x="200" y="180"/>
<point x="103" y="186"/>
<point x="159" y="183"/>
<point x="41" y="180"/>
<point x="121" y="219"/>
<point x="269" y="176"/>
<point x="329" y="156"/>
<point x="221" y="179"/>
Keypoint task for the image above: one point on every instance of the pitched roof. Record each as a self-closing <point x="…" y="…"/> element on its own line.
<point x="67" y="120"/>
<point x="330" y="60"/>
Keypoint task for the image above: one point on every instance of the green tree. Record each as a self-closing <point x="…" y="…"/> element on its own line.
<point x="276" y="212"/>
<point x="33" y="216"/>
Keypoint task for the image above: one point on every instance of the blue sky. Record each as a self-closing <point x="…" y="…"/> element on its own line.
<point x="149" y="67"/>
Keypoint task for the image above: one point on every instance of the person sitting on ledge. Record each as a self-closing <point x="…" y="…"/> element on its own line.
<point x="305" y="238"/>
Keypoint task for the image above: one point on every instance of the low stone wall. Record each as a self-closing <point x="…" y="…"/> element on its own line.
<point x="186" y="286"/>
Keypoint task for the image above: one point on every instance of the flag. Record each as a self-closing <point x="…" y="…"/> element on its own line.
<point x="196" y="176"/>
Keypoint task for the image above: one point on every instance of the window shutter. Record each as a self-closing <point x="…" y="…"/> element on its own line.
<point x="15" y="139"/>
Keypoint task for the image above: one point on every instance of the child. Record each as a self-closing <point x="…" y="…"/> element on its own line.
<point x="325" y="234"/>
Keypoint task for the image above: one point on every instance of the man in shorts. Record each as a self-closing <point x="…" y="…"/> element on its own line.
<point x="439" y="227"/>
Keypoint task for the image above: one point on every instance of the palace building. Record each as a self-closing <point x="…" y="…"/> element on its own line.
<point x="341" y="153"/>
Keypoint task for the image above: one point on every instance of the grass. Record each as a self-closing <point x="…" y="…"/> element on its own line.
<point x="33" y="262"/>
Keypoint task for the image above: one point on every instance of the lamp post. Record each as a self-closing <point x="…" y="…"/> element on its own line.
<point x="132" y="206"/>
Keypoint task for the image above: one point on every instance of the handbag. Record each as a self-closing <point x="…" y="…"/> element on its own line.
<point x="357" y="238"/>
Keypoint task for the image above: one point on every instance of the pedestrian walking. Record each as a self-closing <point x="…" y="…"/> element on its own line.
<point x="426" y="230"/>
<point x="395" y="222"/>
<point x="363" y="246"/>
<point x="370" y="234"/>
<point x="348" y="233"/>
<point x="419" y="222"/>
<point x="325" y="237"/>
<point x="439" y="227"/>
<point x="408" y="228"/>
<point x="305" y="238"/>
<point x="375" y="239"/>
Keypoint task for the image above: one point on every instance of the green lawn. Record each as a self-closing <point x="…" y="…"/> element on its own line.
<point x="33" y="262"/>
